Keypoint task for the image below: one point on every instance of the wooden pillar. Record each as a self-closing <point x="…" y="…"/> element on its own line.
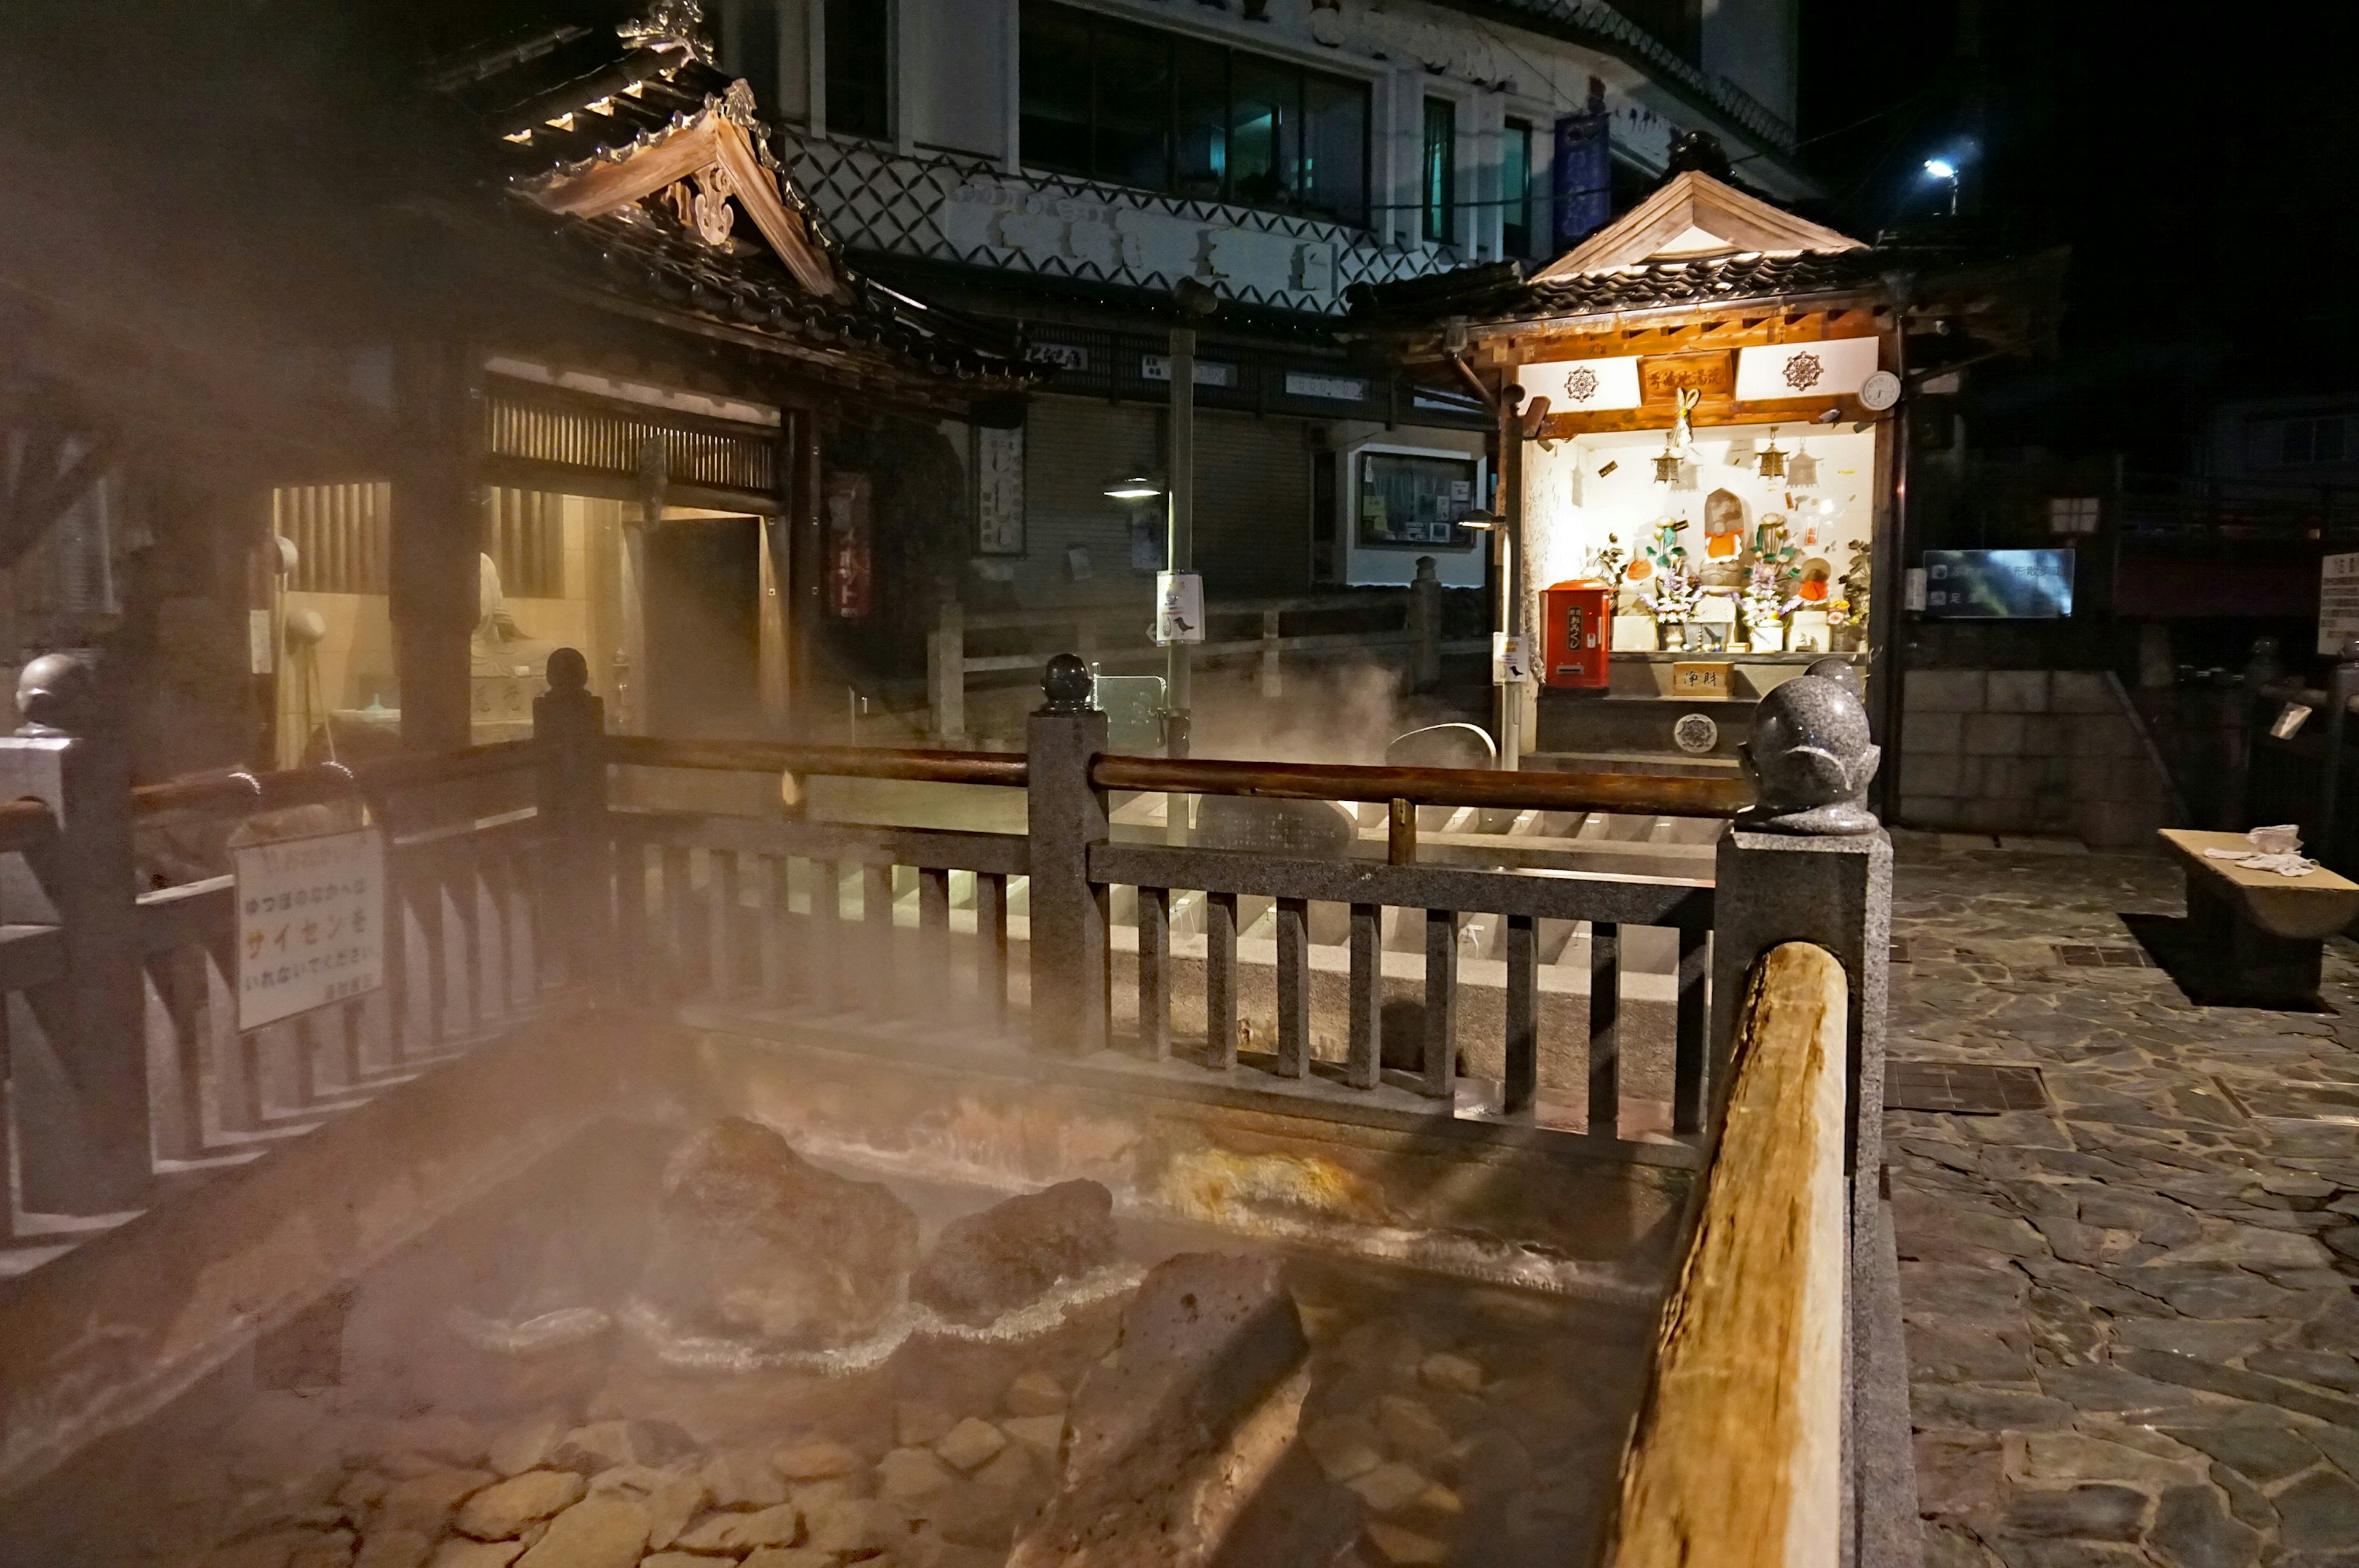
<point x="776" y="670"/>
<point x="437" y="530"/>
<point x="807" y="611"/>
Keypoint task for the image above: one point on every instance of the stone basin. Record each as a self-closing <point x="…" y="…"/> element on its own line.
<point x="480" y="1395"/>
<point x="1479" y="1423"/>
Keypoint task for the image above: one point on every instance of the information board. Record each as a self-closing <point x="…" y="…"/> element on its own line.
<point x="1998" y="585"/>
<point x="2338" y="601"/>
<point x="311" y="923"/>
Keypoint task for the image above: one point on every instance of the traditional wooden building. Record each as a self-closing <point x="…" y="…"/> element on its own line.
<point x="589" y="372"/>
<point x="1708" y="409"/>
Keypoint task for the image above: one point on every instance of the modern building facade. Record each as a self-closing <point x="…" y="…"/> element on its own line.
<point x="1064" y="163"/>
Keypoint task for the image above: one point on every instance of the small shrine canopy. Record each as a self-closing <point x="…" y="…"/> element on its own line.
<point x="1699" y="246"/>
<point x="638" y="159"/>
<point x="1695" y="218"/>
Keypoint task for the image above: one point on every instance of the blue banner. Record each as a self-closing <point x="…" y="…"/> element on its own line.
<point x="1582" y="178"/>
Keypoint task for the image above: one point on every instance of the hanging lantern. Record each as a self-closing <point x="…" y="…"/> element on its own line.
<point x="1802" y="470"/>
<point x="1773" y="461"/>
<point x="1666" y="465"/>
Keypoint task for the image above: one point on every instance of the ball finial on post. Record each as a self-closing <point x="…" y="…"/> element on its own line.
<point x="1810" y="759"/>
<point x="56" y="693"/>
<point x="567" y="670"/>
<point x="1066" y="684"/>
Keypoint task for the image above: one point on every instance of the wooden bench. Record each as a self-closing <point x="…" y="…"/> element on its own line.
<point x="2263" y="934"/>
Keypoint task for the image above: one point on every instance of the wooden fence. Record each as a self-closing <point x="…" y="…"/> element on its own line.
<point x="520" y="883"/>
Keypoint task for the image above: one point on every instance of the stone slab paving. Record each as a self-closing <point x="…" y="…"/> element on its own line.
<point x="2131" y="1317"/>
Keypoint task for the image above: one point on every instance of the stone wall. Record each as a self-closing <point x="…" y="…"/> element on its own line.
<point x="2028" y="752"/>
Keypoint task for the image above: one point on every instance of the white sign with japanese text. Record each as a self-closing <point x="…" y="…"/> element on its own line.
<point x="2338" y="602"/>
<point x="311" y="923"/>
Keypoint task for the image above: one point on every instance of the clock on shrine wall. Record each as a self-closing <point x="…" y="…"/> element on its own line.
<point x="1879" y="391"/>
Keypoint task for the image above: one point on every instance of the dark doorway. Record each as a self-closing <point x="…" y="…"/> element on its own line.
<point x="702" y="600"/>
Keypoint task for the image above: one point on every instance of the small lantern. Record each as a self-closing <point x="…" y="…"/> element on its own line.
<point x="1668" y="465"/>
<point x="1773" y="461"/>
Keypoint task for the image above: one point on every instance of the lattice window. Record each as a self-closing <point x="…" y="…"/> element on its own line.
<point x="340" y="531"/>
<point x="524" y="533"/>
<point x="2073" y="513"/>
<point x="610" y="442"/>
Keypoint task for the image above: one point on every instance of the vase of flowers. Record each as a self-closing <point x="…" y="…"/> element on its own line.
<point x="1674" y="595"/>
<point x="1764" y="604"/>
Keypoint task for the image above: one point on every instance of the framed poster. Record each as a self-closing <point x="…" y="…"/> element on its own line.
<point x="999" y="492"/>
<point x="848" y="567"/>
<point x="1413" y="500"/>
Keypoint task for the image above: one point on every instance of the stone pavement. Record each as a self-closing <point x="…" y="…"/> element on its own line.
<point x="2130" y="1316"/>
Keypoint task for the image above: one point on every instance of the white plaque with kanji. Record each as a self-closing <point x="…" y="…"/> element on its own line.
<point x="311" y="923"/>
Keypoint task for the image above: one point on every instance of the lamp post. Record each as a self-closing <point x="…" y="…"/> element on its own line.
<point x="1942" y="169"/>
<point x="1196" y="302"/>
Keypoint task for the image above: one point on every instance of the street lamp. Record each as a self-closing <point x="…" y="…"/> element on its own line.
<point x="1193" y="301"/>
<point x="1942" y="169"/>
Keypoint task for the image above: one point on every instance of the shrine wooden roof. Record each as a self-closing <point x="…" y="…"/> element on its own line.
<point x="1698" y="248"/>
<point x="648" y="173"/>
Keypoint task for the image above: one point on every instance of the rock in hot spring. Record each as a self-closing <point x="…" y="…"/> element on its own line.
<point x="1007" y="1255"/>
<point x="754" y="1241"/>
<point x="1180" y="1449"/>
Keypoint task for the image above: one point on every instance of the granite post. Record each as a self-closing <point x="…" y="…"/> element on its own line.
<point x="1809" y="863"/>
<point x="77" y="1045"/>
<point x="569" y="721"/>
<point x="1072" y="977"/>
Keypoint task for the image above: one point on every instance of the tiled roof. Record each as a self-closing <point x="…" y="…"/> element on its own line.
<point x="563" y="100"/>
<point x="663" y="265"/>
<point x="1496" y="294"/>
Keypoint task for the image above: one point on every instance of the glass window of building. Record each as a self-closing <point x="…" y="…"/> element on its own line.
<point x="1515" y="189"/>
<point x="1111" y="100"/>
<point x="1441" y="170"/>
<point x="859" y="67"/>
<point x="2311" y="440"/>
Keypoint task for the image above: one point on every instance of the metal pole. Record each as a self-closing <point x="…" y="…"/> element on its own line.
<point x="1181" y="552"/>
<point x="1508" y="552"/>
<point x="2342" y="686"/>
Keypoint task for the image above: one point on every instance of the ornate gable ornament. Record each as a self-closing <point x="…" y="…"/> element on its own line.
<point x="677" y="23"/>
<point x="1695" y="217"/>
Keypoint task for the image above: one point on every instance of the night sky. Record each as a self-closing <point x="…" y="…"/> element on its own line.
<point x="2197" y="159"/>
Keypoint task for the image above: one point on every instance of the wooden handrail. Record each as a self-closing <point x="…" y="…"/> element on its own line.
<point x="1142" y="611"/>
<point x="1005" y="768"/>
<point x="1738" y="1456"/>
<point x="242" y="795"/>
<point x="1648" y="794"/>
